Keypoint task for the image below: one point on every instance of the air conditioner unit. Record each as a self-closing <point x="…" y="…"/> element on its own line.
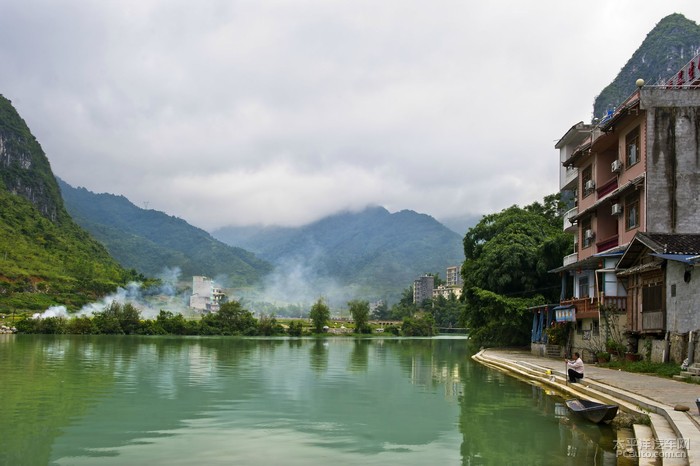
<point x="617" y="209"/>
<point x="616" y="166"/>
<point x="590" y="185"/>
<point x="588" y="234"/>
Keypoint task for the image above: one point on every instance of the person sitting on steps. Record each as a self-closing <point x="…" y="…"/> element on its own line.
<point x="575" y="368"/>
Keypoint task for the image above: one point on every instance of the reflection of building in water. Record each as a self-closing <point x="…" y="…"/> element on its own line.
<point x="430" y="374"/>
<point x="206" y="296"/>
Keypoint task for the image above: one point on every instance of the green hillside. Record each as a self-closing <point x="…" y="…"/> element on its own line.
<point x="673" y="42"/>
<point x="45" y="258"/>
<point x="149" y="240"/>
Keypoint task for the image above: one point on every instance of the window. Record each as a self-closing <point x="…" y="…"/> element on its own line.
<point x="586" y="177"/>
<point x="583" y="287"/>
<point x="632" y="212"/>
<point x="632" y="146"/>
<point x="652" y="298"/>
<point x="587" y="233"/>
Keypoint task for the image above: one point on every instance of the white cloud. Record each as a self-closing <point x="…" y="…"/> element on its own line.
<point x="281" y="112"/>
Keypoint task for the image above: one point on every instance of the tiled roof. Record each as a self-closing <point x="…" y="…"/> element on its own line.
<point x="672" y="243"/>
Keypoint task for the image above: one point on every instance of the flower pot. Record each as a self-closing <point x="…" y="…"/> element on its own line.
<point x="633" y="357"/>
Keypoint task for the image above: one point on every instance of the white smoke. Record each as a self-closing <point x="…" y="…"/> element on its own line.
<point x="149" y="301"/>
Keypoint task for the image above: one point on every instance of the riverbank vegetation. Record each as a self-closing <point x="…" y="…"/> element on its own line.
<point x="508" y="256"/>
<point x="231" y="319"/>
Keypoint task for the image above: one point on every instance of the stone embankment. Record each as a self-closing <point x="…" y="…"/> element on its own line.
<point x="670" y="404"/>
<point x="6" y="329"/>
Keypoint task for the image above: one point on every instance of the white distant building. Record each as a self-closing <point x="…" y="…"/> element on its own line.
<point x="206" y="296"/>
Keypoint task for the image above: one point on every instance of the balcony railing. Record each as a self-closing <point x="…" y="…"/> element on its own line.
<point x="570" y="259"/>
<point x="568" y="226"/>
<point x="607" y="187"/>
<point x="587" y="308"/>
<point x="607" y="243"/>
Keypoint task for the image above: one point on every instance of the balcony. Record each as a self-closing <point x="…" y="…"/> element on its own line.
<point x="587" y="308"/>
<point x="607" y="187"/>
<point x="568" y="226"/>
<point x="607" y="243"/>
<point x="570" y="259"/>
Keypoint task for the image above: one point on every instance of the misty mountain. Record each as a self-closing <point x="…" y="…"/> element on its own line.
<point x="149" y="240"/>
<point x="45" y="257"/>
<point x="374" y="253"/>
<point x="673" y="42"/>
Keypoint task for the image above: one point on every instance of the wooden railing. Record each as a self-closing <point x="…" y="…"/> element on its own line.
<point x="587" y="308"/>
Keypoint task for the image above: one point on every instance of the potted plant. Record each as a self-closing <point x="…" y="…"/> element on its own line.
<point x="603" y="356"/>
<point x="629" y="356"/>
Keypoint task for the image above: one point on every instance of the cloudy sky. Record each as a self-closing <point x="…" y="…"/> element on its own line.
<point x="284" y="111"/>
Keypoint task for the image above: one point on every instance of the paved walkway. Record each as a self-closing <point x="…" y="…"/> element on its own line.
<point x="653" y="394"/>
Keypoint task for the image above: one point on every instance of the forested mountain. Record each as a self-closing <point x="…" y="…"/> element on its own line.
<point x="149" y="240"/>
<point x="375" y="252"/>
<point x="672" y="43"/>
<point x="45" y="258"/>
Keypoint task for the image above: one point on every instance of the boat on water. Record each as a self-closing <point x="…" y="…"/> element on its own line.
<point x="591" y="410"/>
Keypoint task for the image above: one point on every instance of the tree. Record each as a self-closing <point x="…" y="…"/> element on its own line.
<point x="405" y="306"/>
<point x="381" y="312"/>
<point x="231" y="319"/>
<point x="447" y="312"/>
<point x="508" y="256"/>
<point x="359" y="310"/>
<point x="319" y="315"/>
<point x="419" y="326"/>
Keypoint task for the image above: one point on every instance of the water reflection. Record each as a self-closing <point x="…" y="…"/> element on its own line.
<point x="259" y="401"/>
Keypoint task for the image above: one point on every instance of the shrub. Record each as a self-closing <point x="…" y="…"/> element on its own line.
<point x="296" y="328"/>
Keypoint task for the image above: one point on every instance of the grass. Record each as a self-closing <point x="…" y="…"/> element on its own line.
<point x="661" y="369"/>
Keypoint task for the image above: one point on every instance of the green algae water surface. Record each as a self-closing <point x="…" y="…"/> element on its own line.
<point x="70" y="400"/>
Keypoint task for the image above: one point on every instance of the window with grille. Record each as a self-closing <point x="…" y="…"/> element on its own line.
<point x="632" y="146"/>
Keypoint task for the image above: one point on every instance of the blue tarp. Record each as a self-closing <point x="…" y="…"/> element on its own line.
<point x="685" y="258"/>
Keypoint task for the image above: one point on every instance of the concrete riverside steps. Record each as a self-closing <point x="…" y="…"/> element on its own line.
<point x="645" y="445"/>
<point x="677" y="433"/>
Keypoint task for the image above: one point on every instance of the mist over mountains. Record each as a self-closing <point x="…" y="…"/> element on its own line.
<point x="371" y="254"/>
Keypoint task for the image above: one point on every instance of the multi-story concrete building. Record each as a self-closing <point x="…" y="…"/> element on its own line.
<point x="206" y="295"/>
<point x="423" y="289"/>
<point x="453" y="277"/>
<point x="453" y="284"/>
<point x="636" y="170"/>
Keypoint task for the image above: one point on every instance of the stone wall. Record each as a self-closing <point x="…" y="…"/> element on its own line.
<point x="673" y="161"/>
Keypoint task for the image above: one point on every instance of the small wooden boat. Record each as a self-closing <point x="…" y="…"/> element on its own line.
<point x="592" y="411"/>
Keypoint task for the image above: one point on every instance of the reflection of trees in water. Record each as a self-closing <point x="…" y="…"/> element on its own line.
<point x="319" y="355"/>
<point x="33" y="365"/>
<point x="359" y="355"/>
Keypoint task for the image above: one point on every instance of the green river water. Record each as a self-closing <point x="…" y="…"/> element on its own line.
<point x="73" y="400"/>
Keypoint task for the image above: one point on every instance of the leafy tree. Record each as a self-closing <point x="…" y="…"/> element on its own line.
<point x="499" y="320"/>
<point x="405" y="306"/>
<point x="296" y="328"/>
<point x="359" y="310"/>
<point x="81" y="325"/>
<point x="419" y="326"/>
<point x="447" y="312"/>
<point x="381" y="312"/>
<point x="320" y="315"/>
<point x="508" y="258"/>
<point x="268" y="325"/>
<point x="231" y="319"/>
<point x="512" y="251"/>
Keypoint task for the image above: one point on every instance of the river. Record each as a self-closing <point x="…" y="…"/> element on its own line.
<point x="86" y="400"/>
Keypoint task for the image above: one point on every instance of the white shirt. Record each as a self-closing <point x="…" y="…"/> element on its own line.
<point x="576" y="365"/>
